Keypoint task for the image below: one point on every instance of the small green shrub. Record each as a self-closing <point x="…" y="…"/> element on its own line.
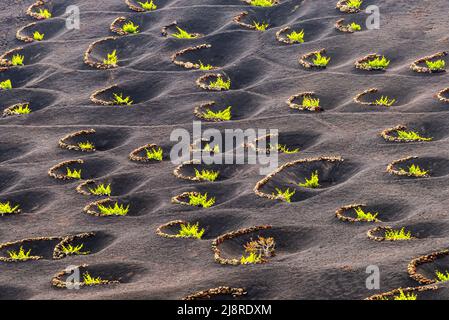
<point x="355" y="26"/>
<point x="89" y="280"/>
<point x="205" y="67"/>
<point x="6" y="85"/>
<point x="220" y="83"/>
<point x="17" y="60"/>
<point x="403" y="296"/>
<point x="260" y="26"/>
<point x="441" y="277"/>
<point x="378" y="63"/>
<point x="183" y="34"/>
<point x="262" y="3"/>
<point x="208" y="175"/>
<point x="44" y="14"/>
<point x="284" y="149"/>
<point x="365" y="216"/>
<point x="148" y="6"/>
<point x="214" y="149"/>
<point x="354" y="3"/>
<point x="101" y="190"/>
<point x="75" y="174"/>
<point x="385" y="101"/>
<point x="130" y="27"/>
<point x="313" y="182"/>
<point x="310" y="103"/>
<point x="22" y="108"/>
<point x="154" y="154"/>
<point x="437" y="65"/>
<point x="320" y="60"/>
<point x="398" y="234"/>
<point x="190" y="231"/>
<point x="5" y="208"/>
<point x="116" y="210"/>
<point x="86" y="145"/>
<point x="201" y="200"/>
<point x="120" y="100"/>
<point x="38" y="36"/>
<point x="252" y="258"/>
<point x="111" y="59"/>
<point x="296" y="37"/>
<point x="75" y="250"/>
<point x="224" y="115"/>
<point x="415" y="170"/>
<point x="411" y="135"/>
<point x="21" y="255"/>
<point x="286" y="194"/>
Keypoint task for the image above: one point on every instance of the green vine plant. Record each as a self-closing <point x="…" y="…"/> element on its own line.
<point x="90" y="281"/>
<point x="17" y="60"/>
<point x="283" y="148"/>
<point x="385" y="101"/>
<point x="214" y="149"/>
<point x="20" y="109"/>
<point x="263" y="3"/>
<point x="442" y="277"/>
<point x="285" y="195"/>
<point x="411" y="136"/>
<point x="86" y="146"/>
<point x="436" y="66"/>
<point x="205" y="67"/>
<point x="404" y="296"/>
<point x="314" y="59"/>
<point x="38" y="36"/>
<point x="115" y="210"/>
<point x="260" y="26"/>
<point x="320" y="60"/>
<point x="296" y="37"/>
<point x="415" y="170"/>
<point x="74" y="250"/>
<point x="391" y="234"/>
<point x="155" y="153"/>
<point x="356" y="4"/>
<point x="355" y="26"/>
<point x="190" y="231"/>
<point x="6" y="208"/>
<point x="220" y="84"/>
<point x="148" y="5"/>
<point x="6" y="85"/>
<point x="183" y="34"/>
<point x="122" y="101"/>
<point x="20" y="255"/>
<point x="378" y="63"/>
<point x="258" y="250"/>
<point x="220" y="115"/>
<point x="101" y="190"/>
<point x="313" y="182"/>
<point x="365" y="216"/>
<point x="201" y="200"/>
<point x="310" y="103"/>
<point x="209" y="175"/>
<point x="111" y="59"/>
<point x="73" y="174"/>
<point x="44" y="14"/>
<point x="130" y="27"/>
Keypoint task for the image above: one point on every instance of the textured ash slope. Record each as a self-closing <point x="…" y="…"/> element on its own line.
<point x="318" y="256"/>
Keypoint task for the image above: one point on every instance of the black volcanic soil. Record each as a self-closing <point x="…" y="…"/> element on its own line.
<point x="318" y="256"/>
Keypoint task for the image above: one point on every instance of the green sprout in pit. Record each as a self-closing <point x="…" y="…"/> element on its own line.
<point x="365" y="216"/>
<point x="112" y="59"/>
<point x="183" y="34"/>
<point x="190" y="231"/>
<point x="403" y="296"/>
<point x="354" y="3"/>
<point x="75" y="174"/>
<point x="154" y="154"/>
<point x="385" y="101"/>
<point x="321" y="61"/>
<point x="310" y="103"/>
<point x="411" y="135"/>
<point x="205" y="67"/>
<point x="130" y="27"/>
<point x="38" y="36"/>
<point x="86" y="145"/>
<point x="5" y="208"/>
<point x="260" y="26"/>
<point x="286" y="194"/>
<point x="17" y="60"/>
<point x="201" y="200"/>
<point x="22" y="108"/>
<point x="224" y="115"/>
<point x="436" y="65"/>
<point x="441" y="277"/>
<point x="415" y="170"/>
<point x="262" y="3"/>
<point x="220" y="83"/>
<point x="119" y="100"/>
<point x="101" y="190"/>
<point x="208" y="175"/>
<point x="148" y="6"/>
<point x="355" y="27"/>
<point x="116" y="210"/>
<point x="378" y="63"/>
<point x="398" y="234"/>
<point x="214" y="149"/>
<point x="75" y="250"/>
<point x="252" y="258"/>
<point x="284" y="149"/>
<point x="44" y="14"/>
<point x="296" y="37"/>
<point x="21" y="255"/>
<point x="312" y="182"/>
<point x="89" y="280"/>
<point x="6" y="85"/>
